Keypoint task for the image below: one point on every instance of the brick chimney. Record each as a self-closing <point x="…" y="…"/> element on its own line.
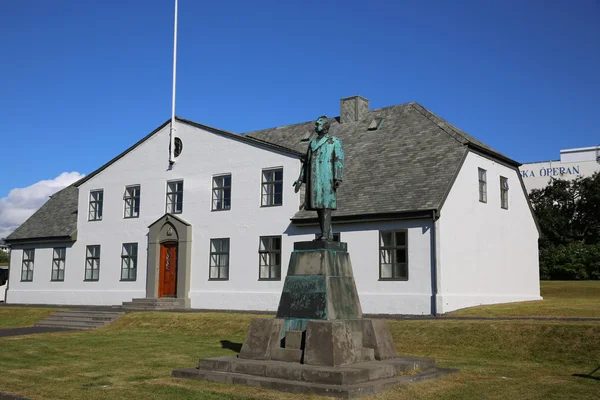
<point x="353" y="108"/>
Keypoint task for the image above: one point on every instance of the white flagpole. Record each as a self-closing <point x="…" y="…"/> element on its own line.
<point x="172" y="135"/>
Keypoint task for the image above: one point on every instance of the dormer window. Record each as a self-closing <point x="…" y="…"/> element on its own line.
<point x="375" y="124"/>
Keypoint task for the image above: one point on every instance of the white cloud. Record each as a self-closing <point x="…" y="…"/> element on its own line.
<point x="21" y="203"/>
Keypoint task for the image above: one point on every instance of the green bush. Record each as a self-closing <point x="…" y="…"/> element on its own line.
<point x="569" y="220"/>
<point x="573" y="261"/>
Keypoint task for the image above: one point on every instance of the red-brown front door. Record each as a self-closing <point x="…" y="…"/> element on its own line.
<point x="167" y="283"/>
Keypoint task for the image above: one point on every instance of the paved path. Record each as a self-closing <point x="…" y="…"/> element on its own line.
<point x="8" y="396"/>
<point x="382" y="316"/>
<point x="30" y="330"/>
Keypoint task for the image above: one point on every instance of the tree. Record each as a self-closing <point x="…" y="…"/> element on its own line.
<point x="3" y="257"/>
<point x="568" y="213"/>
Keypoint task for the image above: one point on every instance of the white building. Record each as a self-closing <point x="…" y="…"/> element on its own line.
<point x="4" y="247"/>
<point x="573" y="163"/>
<point x="434" y="219"/>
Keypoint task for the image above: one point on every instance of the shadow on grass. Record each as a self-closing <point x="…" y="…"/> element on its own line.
<point x="590" y="375"/>
<point x="226" y="344"/>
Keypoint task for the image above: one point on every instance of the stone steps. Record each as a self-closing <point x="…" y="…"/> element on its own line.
<point x="79" y="319"/>
<point x="154" y="304"/>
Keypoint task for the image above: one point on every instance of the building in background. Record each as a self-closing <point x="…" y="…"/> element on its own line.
<point x="573" y="163"/>
<point x="3" y="246"/>
<point x="435" y="220"/>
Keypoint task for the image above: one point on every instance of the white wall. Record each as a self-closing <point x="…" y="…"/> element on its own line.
<point x="413" y="296"/>
<point x="41" y="288"/>
<point x="204" y="154"/>
<point x="486" y="254"/>
<point x="245" y="292"/>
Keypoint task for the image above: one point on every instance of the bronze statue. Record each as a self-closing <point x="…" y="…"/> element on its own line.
<point x="322" y="171"/>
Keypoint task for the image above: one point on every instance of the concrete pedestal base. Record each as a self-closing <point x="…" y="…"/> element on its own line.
<point x="356" y="380"/>
<point x="318" y="343"/>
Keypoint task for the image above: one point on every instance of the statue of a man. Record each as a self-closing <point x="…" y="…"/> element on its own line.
<point x="322" y="171"/>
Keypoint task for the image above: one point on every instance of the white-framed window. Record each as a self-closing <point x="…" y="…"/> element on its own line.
<point x="272" y="187"/>
<point x="92" y="263"/>
<point x="221" y="192"/>
<point x="393" y="255"/>
<point x="58" y="264"/>
<point x="482" y="185"/>
<point x="175" y="197"/>
<point x="219" y="259"/>
<point x="504" y="192"/>
<point x="131" y="199"/>
<point x="96" y="200"/>
<point x="27" y="265"/>
<point x="269" y="255"/>
<point x="129" y="261"/>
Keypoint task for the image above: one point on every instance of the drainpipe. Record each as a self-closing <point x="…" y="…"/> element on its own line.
<point x="434" y="267"/>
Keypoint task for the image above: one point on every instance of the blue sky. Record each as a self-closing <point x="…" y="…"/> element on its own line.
<point x="83" y="80"/>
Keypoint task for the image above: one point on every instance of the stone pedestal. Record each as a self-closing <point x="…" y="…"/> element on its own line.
<point x="318" y="342"/>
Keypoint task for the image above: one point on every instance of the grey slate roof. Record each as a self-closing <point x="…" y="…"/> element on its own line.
<point x="55" y="220"/>
<point x="406" y="165"/>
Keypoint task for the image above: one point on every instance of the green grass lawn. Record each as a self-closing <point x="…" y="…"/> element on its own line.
<point x="14" y="317"/>
<point x="561" y="299"/>
<point x="133" y="358"/>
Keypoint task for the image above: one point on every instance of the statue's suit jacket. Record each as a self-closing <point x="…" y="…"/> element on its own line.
<point x="324" y="164"/>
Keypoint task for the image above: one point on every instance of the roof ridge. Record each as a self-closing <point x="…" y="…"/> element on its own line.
<point x="470" y="141"/>
<point x="394" y="106"/>
<point x="337" y="117"/>
<point x="431" y="117"/>
<point x="237" y="135"/>
<point x="278" y="127"/>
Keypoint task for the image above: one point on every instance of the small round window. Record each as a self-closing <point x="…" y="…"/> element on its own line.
<point x="178" y="147"/>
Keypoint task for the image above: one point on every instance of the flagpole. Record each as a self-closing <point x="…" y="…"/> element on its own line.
<point x="172" y="133"/>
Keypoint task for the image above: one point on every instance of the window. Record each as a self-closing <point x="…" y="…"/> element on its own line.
<point x="175" y="197"/>
<point x="272" y="187"/>
<point x="178" y="147"/>
<point x="219" y="259"/>
<point x="27" y="266"/>
<point x="482" y="185"/>
<point x="504" y="193"/>
<point x="393" y="257"/>
<point x="92" y="263"/>
<point x="337" y="237"/>
<point x="269" y="253"/>
<point x="96" y="199"/>
<point x="221" y="193"/>
<point x="132" y="201"/>
<point x="58" y="264"/>
<point x="129" y="261"/>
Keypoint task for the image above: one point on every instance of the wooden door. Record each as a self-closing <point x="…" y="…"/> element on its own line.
<point x="167" y="283"/>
